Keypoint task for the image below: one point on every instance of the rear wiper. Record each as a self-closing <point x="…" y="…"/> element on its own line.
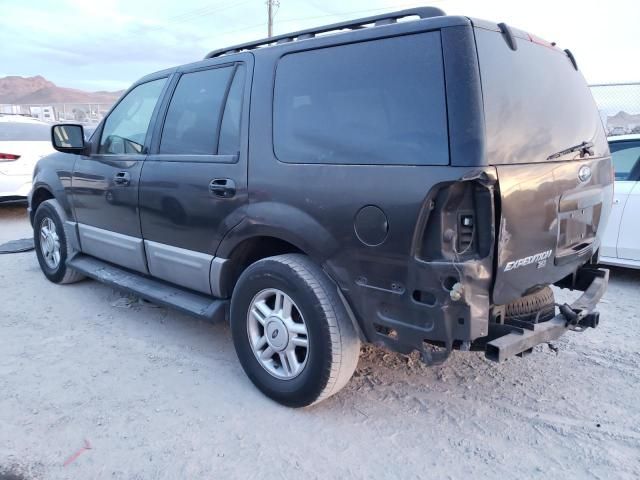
<point x="585" y="148"/>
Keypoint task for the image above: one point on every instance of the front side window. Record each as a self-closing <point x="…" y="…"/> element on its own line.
<point x="192" y="122"/>
<point x="375" y="102"/>
<point x="626" y="159"/>
<point x="126" y="126"/>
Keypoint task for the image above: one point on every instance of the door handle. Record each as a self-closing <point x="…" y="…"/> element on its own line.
<point x="122" y="178"/>
<point x="222" y="187"/>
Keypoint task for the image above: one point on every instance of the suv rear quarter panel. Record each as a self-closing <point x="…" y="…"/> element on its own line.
<point x="314" y="206"/>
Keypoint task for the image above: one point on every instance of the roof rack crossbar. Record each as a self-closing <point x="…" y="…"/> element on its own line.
<point x="383" y="19"/>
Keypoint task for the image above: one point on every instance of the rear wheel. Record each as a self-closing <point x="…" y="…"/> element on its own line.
<point x="291" y="331"/>
<point x="51" y="243"/>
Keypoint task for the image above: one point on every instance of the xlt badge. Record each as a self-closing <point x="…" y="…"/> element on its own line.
<point x="539" y="258"/>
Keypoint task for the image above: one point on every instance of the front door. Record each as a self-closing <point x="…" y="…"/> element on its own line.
<point x="104" y="188"/>
<point x="629" y="237"/>
<point x="623" y="230"/>
<point x="193" y="186"/>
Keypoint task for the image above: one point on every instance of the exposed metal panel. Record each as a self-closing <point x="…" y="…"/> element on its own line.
<point x="113" y="247"/>
<point x="215" y="276"/>
<point x="71" y="232"/>
<point x="180" y="266"/>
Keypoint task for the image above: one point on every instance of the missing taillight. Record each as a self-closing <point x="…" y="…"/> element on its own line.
<point x="459" y="223"/>
<point x="8" y="157"/>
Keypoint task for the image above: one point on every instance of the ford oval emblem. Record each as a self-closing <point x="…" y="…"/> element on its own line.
<point x="584" y="174"/>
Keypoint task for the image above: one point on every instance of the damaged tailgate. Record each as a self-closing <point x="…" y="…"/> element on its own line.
<point x="551" y="221"/>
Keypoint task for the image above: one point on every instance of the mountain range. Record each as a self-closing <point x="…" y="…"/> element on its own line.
<point x="25" y="90"/>
<point x="623" y="119"/>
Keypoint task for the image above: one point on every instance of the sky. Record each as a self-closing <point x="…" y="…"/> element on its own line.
<point x="108" y="44"/>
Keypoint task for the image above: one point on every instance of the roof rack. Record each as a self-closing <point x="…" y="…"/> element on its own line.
<point x="377" y="20"/>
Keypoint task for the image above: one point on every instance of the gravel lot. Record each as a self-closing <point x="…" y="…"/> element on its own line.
<point x="156" y="394"/>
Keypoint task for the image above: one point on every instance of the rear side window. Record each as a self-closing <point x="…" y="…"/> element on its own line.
<point x="376" y="102"/>
<point x="229" y="143"/>
<point x="24" y="132"/>
<point x="626" y="159"/>
<point x="192" y="123"/>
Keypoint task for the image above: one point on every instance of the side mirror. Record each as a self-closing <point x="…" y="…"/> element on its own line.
<point x="68" y="138"/>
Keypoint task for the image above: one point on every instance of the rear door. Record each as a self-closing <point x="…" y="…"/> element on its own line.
<point x="546" y="141"/>
<point x="629" y="237"/>
<point x="194" y="185"/>
<point x="626" y="203"/>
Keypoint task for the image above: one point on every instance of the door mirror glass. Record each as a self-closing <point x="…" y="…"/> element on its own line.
<point x="68" y="138"/>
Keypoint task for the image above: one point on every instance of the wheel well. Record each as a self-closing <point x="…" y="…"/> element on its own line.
<point x="39" y="196"/>
<point x="250" y="251"/>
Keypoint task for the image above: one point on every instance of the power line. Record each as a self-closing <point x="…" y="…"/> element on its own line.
<point x="290" y="20"/>
<point x="197" y="13"/>
<point x="353" y="12"/>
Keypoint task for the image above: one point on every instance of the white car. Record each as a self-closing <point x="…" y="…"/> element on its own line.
<point x="23" y="141"/>
<point x="621" y="241"/>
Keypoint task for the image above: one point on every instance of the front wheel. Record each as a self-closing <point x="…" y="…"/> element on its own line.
<point x="291" y="331"/>
<point x="51" y="243"/>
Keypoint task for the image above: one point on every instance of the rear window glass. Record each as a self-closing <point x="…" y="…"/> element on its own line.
<point x="626" y="159"/>
<point x="24" y="132"/>
<point x="192" y="119"/>
<point x="536" y="104"/>
<point x="376" y="102"/>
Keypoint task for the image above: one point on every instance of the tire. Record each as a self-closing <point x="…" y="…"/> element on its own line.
<point x="333" y="346"/>
<point x="50" y="214"/>
<point x="527" y="308"/>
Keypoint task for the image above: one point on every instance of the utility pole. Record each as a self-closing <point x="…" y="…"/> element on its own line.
<point x="272" y="5"/>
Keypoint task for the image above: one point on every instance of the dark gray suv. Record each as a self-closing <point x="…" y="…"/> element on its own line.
<point x="418" y="184"/>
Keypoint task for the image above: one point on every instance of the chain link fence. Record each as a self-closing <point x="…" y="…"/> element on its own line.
<point x="619" y="105"/>
<point x="84" y="113"/>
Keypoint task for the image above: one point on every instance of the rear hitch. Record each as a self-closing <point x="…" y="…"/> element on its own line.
<point x="591" y="320"/>
<point x="579" y="316"/>
<point x="579" y="319"/>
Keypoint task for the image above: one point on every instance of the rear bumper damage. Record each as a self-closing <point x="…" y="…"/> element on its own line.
<point x="508" y="340"/>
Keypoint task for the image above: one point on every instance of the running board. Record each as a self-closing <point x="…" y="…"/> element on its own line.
<point x="156" y="291"/>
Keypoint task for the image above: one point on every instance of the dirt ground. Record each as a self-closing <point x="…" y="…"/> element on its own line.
<point x="94" y="384"/>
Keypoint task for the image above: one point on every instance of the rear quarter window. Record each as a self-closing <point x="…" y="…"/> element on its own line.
<point x="24" y="132"/>
<point x="374" y="102"/>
